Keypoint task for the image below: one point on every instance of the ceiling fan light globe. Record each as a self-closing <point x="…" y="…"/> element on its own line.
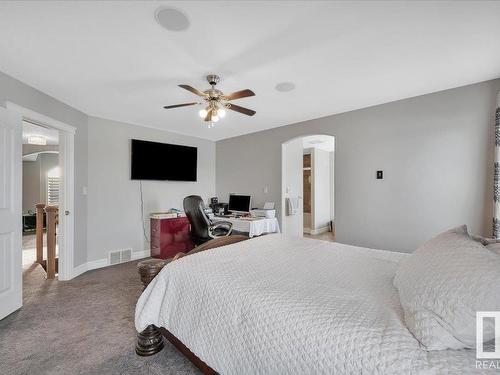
<point x="215" y="118"/>
<point x="202" y="113"/>
<point x="221" y="113"/>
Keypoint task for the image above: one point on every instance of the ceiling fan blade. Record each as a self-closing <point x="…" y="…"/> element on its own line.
<point x="208" y="117"/>
<point x="239" y="94"/>
<point x="239" y="109"/>
<point x="180" y="105"/>
<point x="194" y="91"/>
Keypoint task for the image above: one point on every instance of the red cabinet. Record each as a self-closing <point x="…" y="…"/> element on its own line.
<point x="170" y="236"/>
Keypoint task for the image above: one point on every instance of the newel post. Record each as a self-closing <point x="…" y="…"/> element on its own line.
<point x="39" y="232"/>
<point x="51" y="240"/>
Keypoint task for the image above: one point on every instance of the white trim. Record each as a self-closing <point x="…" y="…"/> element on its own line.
<point x="82" y="268"/>
<point x="67" y="198"/>
<point x="42" y="119"/>
<point x="141" y="254"/>
<point x="67" y="192"/>
<point x="313" y="192"/>
<point x="319" y="230"/>
<point x="104" y="262"/>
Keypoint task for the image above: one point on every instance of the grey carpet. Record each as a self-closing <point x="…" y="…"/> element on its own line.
<point x="82" y="326"/>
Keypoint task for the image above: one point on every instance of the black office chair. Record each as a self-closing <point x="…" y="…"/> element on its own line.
<point x="202" y="228"/>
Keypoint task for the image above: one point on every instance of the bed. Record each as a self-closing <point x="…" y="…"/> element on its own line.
<point x="279" y="305"/>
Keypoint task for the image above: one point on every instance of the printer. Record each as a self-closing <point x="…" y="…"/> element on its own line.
<point x="267" y="212"/>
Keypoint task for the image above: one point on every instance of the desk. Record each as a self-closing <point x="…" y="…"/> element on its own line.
<point x="169" y="237"/>
<point x="253" y="226"/>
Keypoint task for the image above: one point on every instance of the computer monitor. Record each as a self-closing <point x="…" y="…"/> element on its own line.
<point x="239" y="203"/>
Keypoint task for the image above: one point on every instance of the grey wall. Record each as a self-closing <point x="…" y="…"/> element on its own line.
<point x="102" y="163"/>
<point x="17" y="92"/>
<point x="114" y="199"/>
<point x="436" y="151"/>
<point x="35" y="179"/>
<point x="31" y="184"/>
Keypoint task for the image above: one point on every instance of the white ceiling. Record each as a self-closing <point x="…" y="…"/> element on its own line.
<point x="51" y="135"/>
<point x="111" y="59"/>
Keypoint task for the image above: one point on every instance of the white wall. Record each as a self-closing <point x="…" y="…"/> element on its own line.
<point x="436" y="151"/>
<point x="322" y="190"/>
<point x="114" y="199"/>
<point x="31" y="184"/>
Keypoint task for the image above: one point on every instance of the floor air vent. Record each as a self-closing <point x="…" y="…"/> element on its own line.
<point x="126" y="255"/>
<point x="120" y="256"/>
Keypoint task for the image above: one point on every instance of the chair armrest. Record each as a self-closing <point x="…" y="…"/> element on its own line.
<point x="220" y="224"/>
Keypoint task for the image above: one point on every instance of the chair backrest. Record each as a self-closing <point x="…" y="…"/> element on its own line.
<point x="194" y="209"/>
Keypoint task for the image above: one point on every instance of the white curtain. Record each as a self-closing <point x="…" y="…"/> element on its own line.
<point x="496" y="178"/>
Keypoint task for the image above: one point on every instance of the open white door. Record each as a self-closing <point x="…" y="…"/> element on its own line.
<point x="10" y="212"/>
<point x="292" y="186"/>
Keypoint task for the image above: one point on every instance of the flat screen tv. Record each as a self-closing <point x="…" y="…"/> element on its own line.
<point x="163" y="161"/>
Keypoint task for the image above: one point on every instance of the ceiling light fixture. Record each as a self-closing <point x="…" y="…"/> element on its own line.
<point x="39" y="140"/>
<point x="171" y="19"/>
<point x="203" y="113"/>
<point x="216" y="101"/>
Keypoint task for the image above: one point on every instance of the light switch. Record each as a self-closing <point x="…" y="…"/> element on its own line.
<point x="84" y="190"/>
<point x="266" y="190"/>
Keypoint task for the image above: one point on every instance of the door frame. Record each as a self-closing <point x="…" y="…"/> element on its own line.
<point x="283" y="162"/>
<point x="67" y="192"/>
<point x="284" y="192"/>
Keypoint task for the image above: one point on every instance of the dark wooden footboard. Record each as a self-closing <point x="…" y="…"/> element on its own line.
<point x="150" y="341"/>
<point x="204" y="368"/>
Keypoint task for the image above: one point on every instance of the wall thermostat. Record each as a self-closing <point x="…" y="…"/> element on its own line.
<point x="380" y="175"/>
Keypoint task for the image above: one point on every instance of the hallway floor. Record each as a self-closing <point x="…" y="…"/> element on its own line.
<point x="327" y="236"/>
<point x="29" y="249"/>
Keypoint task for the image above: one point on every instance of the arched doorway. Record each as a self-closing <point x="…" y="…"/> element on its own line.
<point x="307" y="194"/>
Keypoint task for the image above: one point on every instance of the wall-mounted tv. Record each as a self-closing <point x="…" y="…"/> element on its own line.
<point x="163" y="161"/>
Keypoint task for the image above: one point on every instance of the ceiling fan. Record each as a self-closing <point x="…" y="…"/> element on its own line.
<point x="216" y="101"/>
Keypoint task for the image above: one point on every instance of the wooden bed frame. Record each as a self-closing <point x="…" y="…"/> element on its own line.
<point x="150" y="341"/>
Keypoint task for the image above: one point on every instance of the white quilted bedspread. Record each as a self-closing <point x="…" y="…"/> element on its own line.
<point x="278" y="305"/>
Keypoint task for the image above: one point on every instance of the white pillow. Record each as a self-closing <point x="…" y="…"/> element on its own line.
<point x="492" y="244"/>
<point x="443" y="284"/>
<point x="494" y="247"/>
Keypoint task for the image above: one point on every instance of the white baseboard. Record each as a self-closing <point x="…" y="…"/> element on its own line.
<point x="104" y="262"/>
<point x="141" y="254"/>
<point x="78" y="270"/>
<point x="320" y="230"/>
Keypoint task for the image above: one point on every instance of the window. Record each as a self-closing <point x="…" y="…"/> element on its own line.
<point x="53" y="184"/>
